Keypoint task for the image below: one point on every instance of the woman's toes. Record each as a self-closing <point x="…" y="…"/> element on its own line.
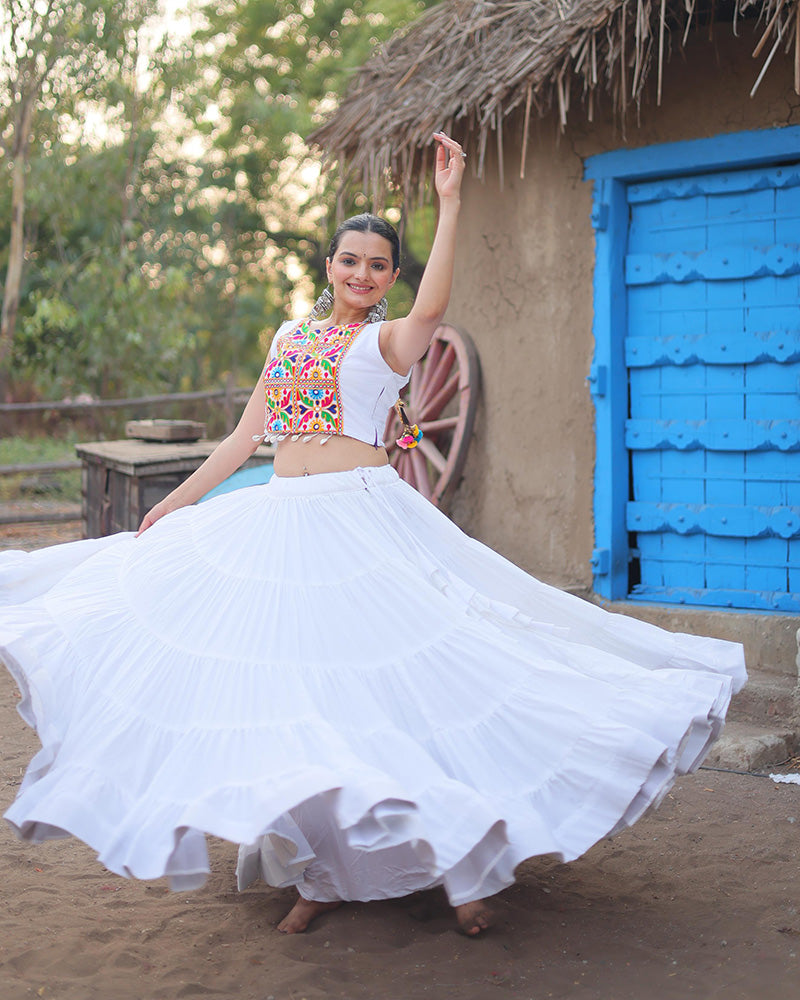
<point x="302" y="913"/>
<point x="473" y="918"/>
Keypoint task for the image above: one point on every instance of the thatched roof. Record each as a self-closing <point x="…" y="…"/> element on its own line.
<point x="465" y="65"/>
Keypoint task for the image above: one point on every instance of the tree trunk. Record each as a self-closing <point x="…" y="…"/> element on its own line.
<point x="16" y="250"/>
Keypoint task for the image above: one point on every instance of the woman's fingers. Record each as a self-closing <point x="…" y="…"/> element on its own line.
<point x="449" y="168"/>
<point x="446" y="144"/>
<point x="148" y="521"/>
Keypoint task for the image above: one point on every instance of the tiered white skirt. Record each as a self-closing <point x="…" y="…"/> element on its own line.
<point x="328" y="671"/>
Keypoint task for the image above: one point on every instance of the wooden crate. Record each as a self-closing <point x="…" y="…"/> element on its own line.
<point x="122" y="480"/>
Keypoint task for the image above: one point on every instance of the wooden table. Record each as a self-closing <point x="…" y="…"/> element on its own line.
<point x="122" y="480"/>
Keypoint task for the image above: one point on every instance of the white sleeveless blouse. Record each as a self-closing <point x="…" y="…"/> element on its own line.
<point x="328" y="380"/>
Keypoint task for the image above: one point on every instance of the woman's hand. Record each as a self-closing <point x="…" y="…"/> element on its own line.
<point x="153" y="515"/>
<point x="404" y="341"/>
<point x="224" y="460"/>
<point x="449" y="166"/>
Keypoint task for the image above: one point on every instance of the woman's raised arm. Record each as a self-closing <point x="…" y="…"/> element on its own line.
<point x="404" y="341"/>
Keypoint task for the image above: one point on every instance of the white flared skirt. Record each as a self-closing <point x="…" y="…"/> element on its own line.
<point x="327" y="671"/>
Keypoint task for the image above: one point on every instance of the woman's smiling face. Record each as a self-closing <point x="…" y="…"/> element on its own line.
<point x="361" y="270"/>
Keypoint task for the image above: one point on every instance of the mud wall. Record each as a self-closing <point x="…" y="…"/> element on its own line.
<point x="524" y="290"/>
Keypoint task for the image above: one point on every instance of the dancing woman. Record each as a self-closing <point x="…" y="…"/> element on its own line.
<point x="325" y="669"/>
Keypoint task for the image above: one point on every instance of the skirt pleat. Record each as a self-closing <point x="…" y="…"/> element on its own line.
<point x="327" y="671"/>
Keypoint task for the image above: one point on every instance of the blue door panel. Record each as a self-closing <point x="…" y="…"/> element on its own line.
<point x="772" y="392"/>
<point x="725" y="567"/>
<point x="684" y="560"/>
<point x="651" y="551"/>
<point x="725" y="478"/>
<point x="766" y="484"/>
<point x="640" y="309"/>
<point x="674" y="224"/>
<point x="766" y="564"/>
<point x="794" y="566"/>
<point x="713" y="353"/>
<point x="683" y="476"/>
<point x="647" y="477"/>
<point x="646" y="392"/>
<point x="787" y="222"/>
<point x="725" y="307"/>
<point x="790" y="489"/>
<point x="681" y="309"/>
<point x="725" y="387"/>
<point x="683" y="393"/>
<point x="729" y="226"/>
<point x="722" y="264"/>
<point x="772" y="304"/>
<point x="717" y="183"/>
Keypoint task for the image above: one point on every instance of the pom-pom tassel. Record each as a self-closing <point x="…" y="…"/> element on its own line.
<point x="411" y="435"/>
<point x="411" y="438"/>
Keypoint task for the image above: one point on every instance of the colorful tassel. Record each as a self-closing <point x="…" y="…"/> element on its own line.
<point x="411" y="438"/>
<point x="411" y="435"/>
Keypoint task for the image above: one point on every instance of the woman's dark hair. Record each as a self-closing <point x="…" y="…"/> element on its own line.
<point x="367" y="223"/>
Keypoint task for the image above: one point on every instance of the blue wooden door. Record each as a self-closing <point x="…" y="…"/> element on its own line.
<point x="713" y="353"/>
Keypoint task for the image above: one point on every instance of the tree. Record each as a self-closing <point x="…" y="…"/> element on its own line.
<point x="52" y="52"/>
<point x="278" y="65"/>
<point x="164" y="244"/>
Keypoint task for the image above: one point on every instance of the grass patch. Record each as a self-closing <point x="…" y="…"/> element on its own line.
<point x="62" y="486"/>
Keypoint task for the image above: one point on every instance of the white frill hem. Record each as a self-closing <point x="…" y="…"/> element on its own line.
<point x="329" y="672"/>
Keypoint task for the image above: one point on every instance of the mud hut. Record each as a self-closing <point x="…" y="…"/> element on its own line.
<point x="629" y="270"/>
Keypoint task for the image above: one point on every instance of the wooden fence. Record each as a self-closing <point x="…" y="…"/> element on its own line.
<point x="231" y="397"/>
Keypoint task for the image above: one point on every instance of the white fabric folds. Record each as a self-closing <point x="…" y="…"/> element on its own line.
<point x="326" y="670"/>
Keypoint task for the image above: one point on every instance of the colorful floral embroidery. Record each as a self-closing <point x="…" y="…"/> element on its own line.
<point x="301" y="384"/>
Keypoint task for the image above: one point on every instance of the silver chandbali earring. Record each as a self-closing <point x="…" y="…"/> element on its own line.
<point x="323" y="305"/>
<point x="377" y="313"/>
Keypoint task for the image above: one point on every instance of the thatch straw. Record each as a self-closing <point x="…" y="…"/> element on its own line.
<point x="467" y="65"/>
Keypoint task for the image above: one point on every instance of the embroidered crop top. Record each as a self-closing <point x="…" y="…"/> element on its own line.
<point x="328" y="380"/>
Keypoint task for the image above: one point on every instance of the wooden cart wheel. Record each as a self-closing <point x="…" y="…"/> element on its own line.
<point x="441" y="397"/>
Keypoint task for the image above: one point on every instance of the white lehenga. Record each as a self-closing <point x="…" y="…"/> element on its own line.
<point x="327" y="670"/>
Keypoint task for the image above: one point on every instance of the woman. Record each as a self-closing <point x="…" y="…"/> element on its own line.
<point x="324" y="669"/>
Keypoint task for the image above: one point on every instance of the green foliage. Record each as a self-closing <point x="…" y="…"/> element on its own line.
<point x="19" y="450"/>
<point x="16" y="449"/>
<point x="279" y="65"/>
<point x="62" y="50"/>
<point x="173" y="220"/>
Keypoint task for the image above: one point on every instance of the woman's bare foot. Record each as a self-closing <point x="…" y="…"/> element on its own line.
<point x="474" y="918"/>
<point x="302" y="913"/>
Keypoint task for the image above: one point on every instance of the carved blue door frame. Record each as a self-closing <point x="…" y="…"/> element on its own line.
<point x="696" y="373"/>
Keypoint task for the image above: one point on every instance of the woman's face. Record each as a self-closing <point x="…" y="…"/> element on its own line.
<point x="361" y="269"/>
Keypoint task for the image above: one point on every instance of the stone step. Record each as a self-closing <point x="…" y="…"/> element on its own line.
<point x="770" y="640"/>
<point x="768" y="700"/>
<point x="747" y="746"/>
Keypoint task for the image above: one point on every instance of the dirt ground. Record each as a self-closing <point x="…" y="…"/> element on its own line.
<point x="699" y="899"/>
<point x="36" y="536"/>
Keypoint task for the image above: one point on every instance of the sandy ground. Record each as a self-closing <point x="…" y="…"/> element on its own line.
<point x="699" y="899"/>
<point x="36" y="536"/>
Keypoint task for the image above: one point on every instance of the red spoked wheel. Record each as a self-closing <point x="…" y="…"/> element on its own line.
<point x="441" y="397"/>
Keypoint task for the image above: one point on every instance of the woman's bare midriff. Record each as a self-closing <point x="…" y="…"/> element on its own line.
<point x="338" y="454"/>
